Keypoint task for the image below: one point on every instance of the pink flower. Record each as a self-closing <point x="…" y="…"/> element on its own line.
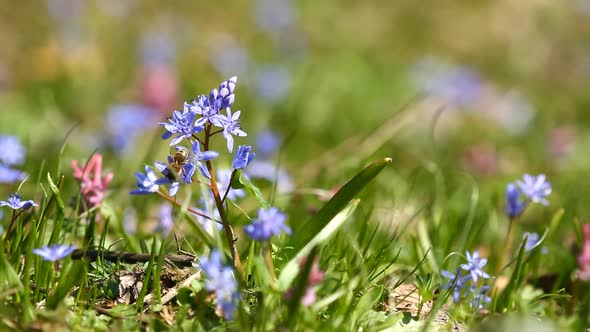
<point x="92" y="183"/>
<point x="583" y="272"/>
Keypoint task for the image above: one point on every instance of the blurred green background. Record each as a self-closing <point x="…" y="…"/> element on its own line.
<point x="461" y="94"/>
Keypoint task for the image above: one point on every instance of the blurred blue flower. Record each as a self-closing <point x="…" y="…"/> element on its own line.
<point x="229" y="58"/>
<point x="182" y="123"/>
<point x="243" y="157"/>
<point x="12" y="152"/>
<point x="14" y="202"/>
<point x="479" y="298"/>
<point x="231" y="126"/>
<point x="147" y="183"/>
<point x="456" y="281"/>
<point x="199" y="156"/>
<point x="514" y="204"/>
<point x="55" y="252"/>
<point x="535" y="188"/>
<point x="125" y="122"/>
<point x="475" y="265"/>
<point x="263" y="169"/>
<point x="274" y="15"/>
<point x="273" y="82"/>
<point x="157" y="48"/>
<point x="130" y="220"/>
<point x="459" y="86"/>
<point x="267" y="143"/>
<point x="532" y="240"/>
<point x="9" y="175"/>
<point x="268" y="223"/>
<point x="166" y="221"/>
<point x="223" y="177"/>
<point x="221" y="280"/>
<point x="206" y="207"/>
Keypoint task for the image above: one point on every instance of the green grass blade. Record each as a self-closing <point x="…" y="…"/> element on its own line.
<point x="350" y="190"/>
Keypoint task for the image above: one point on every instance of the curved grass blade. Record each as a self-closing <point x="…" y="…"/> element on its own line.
<point x="350" y="190"/>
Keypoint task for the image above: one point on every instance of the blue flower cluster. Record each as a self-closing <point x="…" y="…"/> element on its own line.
<point x="12" y="153"/>
<point x="201" y="115"/>
<point x="466" y="286"/>
<point x="534" y="188"/>
<point x="221" y="280"/>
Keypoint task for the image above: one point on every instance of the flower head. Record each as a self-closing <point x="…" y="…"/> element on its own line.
<point x="166" y="222"/>
<point x="147" y="183"/>
<point x="15" y="203"/>
<point x="268" y="223"/>
<point x="218" y="99"/>
<point x="221" y="280"/>
<point x="206" y="207"/>
<point x="199" y="156"/>
<point x="9" y="175"/>
<point x="583" y="271"/>
<point x="55" y="252"/>
<point x="479" y="297"/>
<point x="475" y="265"/>
<point x="535" y="188"/>
<point x="514" y="204"/>
<point x="456" y="281"/>
<point x="92" y="182"/>
<point x="243" y="157"/>
<point x="231" y="126"/>
<point x="532" y="240"/>
<point x="267" y="143"/>
<point x="182" y="124"/>
<point x="124" y="122"/>
<point x="12" y="152"/>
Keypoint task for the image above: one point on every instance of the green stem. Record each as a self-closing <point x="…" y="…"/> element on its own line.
<point x="507" y="247"/>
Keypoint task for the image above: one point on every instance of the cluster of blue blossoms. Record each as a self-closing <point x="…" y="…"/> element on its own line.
<point x="195" y="125"/>
<point x="534" y="188"/>
<point x="466" y="286"/>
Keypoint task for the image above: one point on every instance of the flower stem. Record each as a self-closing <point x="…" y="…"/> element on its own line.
<point x="507" y="247"/>
<point x="231" y="179"/>
<point x="229" y="232"/>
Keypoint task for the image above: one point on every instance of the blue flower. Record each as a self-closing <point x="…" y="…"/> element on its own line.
<point x="9" y="175"/>
<point x="268" y="223"/>
<point x="182" y="124"/>
<point x="15" y="203"/>
<point x="221" y="280"/>
<point x="475" y="265"/>
<point x="535" y="188"/>
<point x="514" y="204"/>
<point x="207" y="207"/>
<point x="55" y="252"/>
<point x="267" y="143"/>
<point x="273" y="83"/>
<point x="223" y="177"/>
<point x="479" y="297"/>
<point x="457" y="281"/>
<point x="166" y="222"/>
<point x="266" y="170"/>
<point x="243" y="157"/>
<point x="532" y="240"/>
<point x="147" y="183"/>
<point x="199" y="156"/>
<point x="124" y="122"/>
<point x="231" y="126"/>
<point x="209" y="107"/>
<point x="12" y="152"/>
